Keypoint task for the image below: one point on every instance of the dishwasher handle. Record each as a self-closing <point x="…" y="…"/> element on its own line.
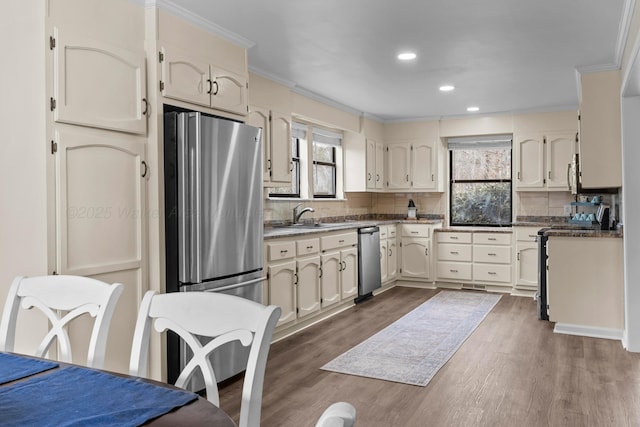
<point x="369" y="230"/>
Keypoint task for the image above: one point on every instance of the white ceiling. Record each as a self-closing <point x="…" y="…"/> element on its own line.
<point x="501" y="55"/>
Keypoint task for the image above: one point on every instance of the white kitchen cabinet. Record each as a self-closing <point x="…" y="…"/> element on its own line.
<point x="412" y="166"/>
<point x="541" y="160"/>
<point x="388" y="253"/>
<point x="198" y="80"/>
<point x="526" y="256"/>
<point x="97" y="84"/>
<point x="308" y="285"/>
<point x="276" y="144"/>
<point x="600" y="145"/>
<point x="455" y="256"/>
<point x="392" y="259"/>
<point x="282" y="289"/>
<point x="416" y="247"/>
<point x="339" y="261"/>
<point x="100" y="222"/>
<point x="375" y="165"/>
<point x="492" y="259"/>
<point x="383" y="260"/>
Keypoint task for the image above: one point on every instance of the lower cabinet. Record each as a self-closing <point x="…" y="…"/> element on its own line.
<point x="304" y="280"/>
<point x="416" y="247"/>
<point x="478" y="260"/>
<point x="526" y="256"/>
<point x="388" y="253"/>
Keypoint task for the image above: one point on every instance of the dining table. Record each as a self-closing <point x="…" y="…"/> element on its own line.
<point x="42" y="392"/>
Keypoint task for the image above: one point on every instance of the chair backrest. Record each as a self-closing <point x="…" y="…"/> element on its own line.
<point x="62" y="299"/>
<point x="339" y="414"/>
<point x="224" y="318"/>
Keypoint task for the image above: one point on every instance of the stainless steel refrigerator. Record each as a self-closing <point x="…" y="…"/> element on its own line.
<point x="213" y="216"/>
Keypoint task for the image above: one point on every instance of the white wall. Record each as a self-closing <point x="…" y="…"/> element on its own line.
<point x="23" y="207"/>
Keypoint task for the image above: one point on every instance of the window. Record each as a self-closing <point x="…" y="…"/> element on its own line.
<point x="317" y="164"/>
<point x="480" y="191"/>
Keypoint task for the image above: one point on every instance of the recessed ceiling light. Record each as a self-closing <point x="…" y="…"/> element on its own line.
<point x="406" y="56"/>
<point x="447" y="88"/>
<point x="473" y="109"/>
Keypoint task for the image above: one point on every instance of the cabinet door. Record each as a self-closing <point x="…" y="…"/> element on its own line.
<point x="383" y="260"/>
<point x="281" y="165"/>
<point x="349" y="273"/>
<point x="529" y="162"/>
<point x="330" y="279"/>
<point x="98" y="85"/>
<point x="392" y="259"/>
<point x="308" y="285"/>
<point x="184" y="77"/>
<point x="379" y="170"/>
<point x="282" y="290"/>
<point x="423" y="166"/>
<point x="560" y="149"/>
<point x="259" y="117"/>
<point x="228" y="91"/>
<point x="371" y="164"/>
<point x="398" y="166"/>
<point x="527" y="265"/>
<point x="101" y="225"/>
<point x="415" y="258"/>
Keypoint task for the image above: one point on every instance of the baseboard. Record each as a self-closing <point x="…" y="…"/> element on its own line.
<point x="588" y="331"/>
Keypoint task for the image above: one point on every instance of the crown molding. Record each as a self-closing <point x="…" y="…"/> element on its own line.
<point x="623" y="30"/>
<point x="260" y="72"/>
<point x="327" y="101"/>
<point x="205" y="24"/>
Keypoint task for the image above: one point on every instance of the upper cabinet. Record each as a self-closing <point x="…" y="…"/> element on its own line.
<point x="375" y="165"/>
<point x="600" y="141"/>
<point x="413" y="165"/>
<point x="197" y="80"/>
<point x="276" y="144"/>
<point x="541" y="160"/>
<point x="97" y="84"/>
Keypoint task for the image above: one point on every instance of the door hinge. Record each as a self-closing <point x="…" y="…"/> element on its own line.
<point x="54" y="273"/>
<point x="54" y="147"/>
<point x="544" y="140"/>
<point x="52" y="42"/>
<point x="160" y="57"/>
<point x="52" y="103"/>
<point x="161" y="86"/>
<point x="577" y="140"/>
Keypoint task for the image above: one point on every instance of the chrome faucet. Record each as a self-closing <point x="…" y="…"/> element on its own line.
<point x="297" y="212"/>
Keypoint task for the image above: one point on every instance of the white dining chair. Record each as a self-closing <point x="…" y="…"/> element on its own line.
<point x="225" y="318"/>
<point x="62" y="299"/>
<point x="339" y="414"/>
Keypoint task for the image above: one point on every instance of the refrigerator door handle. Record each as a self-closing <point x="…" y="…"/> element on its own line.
<point x="195" y="204"/>
<point x="236" y="285"/>
<point x="184" y="254"/>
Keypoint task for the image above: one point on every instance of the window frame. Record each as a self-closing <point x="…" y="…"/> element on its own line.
<point x="479" y="181"/>
<point x="333" y="165"/>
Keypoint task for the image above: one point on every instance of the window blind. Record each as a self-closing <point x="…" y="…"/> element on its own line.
<point x="299" y="130"/>
<point x="479" y="142"/>
<point x="327" y="136"/>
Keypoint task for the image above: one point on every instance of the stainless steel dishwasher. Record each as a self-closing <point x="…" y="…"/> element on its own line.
<point x="368" y="261"/>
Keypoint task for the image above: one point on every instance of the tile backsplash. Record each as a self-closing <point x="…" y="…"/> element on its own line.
<point x="542" y="203"/>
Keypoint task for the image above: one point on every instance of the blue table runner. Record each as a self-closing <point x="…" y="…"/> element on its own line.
<point x="14" y="367"/>
<point x="74" y="396"/>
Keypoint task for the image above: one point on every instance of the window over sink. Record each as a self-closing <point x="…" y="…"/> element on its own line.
<point x="316" y="162"/>
<point x="480" y="186"/>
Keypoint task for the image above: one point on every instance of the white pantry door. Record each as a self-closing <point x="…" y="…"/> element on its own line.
<point x="101" y="225"/>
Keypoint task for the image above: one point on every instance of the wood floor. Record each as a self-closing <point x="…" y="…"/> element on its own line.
<point x="512" y="371"/>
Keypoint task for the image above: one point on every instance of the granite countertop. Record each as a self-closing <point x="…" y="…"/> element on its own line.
<point x="275" y="231"/>
<point x="460" y="229"/>
<point x="567" y="232"/>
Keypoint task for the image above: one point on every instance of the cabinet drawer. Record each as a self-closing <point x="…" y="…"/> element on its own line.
<point x="526" y="234"/>
<point x="391" y="231"/>
<point x="384" y="231"/>
<point x="338" y="241"/>
<point x="454" y="252"/>
<point x="308" y="246"/>
<point x="491" y="273"/>
<point x="454" y="271"/>
<point x="452" y="237"/>
<point x="492" y="238"/>
<point x="415" y="230"/>
<point x="281" y="250"/>
<point x="492" y="254"/>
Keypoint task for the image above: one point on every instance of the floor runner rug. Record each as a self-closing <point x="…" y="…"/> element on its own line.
<point x="412" y="349"/>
